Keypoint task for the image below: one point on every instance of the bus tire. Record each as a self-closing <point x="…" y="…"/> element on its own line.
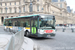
<point x="26" y="33"/>
<point x="9" y="30"/>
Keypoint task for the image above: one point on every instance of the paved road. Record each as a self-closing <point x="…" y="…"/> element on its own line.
<point x="4" y="32"/>
<point x="62" y="41"/>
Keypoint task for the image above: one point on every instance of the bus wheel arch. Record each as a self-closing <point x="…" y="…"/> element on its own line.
<point x="26" y="33"/>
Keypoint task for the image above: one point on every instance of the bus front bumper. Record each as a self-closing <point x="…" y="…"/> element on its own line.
<point x="47" y="35"/>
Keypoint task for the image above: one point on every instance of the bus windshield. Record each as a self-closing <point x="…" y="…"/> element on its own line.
<point x="46" y="23"/>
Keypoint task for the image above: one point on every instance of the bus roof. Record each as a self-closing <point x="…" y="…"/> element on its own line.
<point x="22" y="16"/>
<point x="28" y="16"/>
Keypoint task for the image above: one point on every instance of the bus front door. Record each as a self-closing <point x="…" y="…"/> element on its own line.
<point x="34" y="26"/>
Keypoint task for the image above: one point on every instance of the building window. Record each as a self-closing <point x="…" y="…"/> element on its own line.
<point x="62" y="0"/>
<point x="60" y="5"/>
<point x="15" y="10"/>
<point x="5" y="4"/>
<point x="23" y="0"/>
<point x="37" y="0"/>
<point x="6" y="10"/>
<point x="19" y="3"/>
<point x="15" y="3"/>
<point x="37" y="7"/>
<point x="24" y="8"/>
<point x="31" y="7"/>
<point x="10" y="10"/>
<point x="30" y="0"/>
<point x="7" y="17"/>
<point x="2" y="19"/>
<point x="54" y="0"/>
<point x="1" y="4"/>
<point x="60" y="13"/>
<point x="10" y="3"/>
<point x="53" y="11"/>
<point x="1" y="10"/>
<point x="11" y="16"/>
<point x="19" y="10"/>
<point x="0" y="0"/>
<point x="56" y="4"/>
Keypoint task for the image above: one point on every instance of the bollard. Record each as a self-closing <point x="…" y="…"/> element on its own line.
<point x="72" y="29"/>
<point x="55" y="29"/>
<point x="63" y="29"/>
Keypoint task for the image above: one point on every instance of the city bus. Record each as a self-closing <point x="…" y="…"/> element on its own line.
<point x="36" y="25"/>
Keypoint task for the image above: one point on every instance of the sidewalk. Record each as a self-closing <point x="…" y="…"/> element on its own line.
<point x="4" y="40"/>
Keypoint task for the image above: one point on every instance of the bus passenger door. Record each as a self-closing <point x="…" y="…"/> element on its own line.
<point x="34" y="26"/>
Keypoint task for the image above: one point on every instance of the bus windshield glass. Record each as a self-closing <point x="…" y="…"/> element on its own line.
<point x="46" y="23"/>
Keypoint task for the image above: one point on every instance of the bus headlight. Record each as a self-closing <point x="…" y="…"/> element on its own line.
<point x="53" y="31"/>
<point x="41" y="31"/>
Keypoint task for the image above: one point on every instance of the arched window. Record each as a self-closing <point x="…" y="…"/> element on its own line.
<point x="2" y="19"/>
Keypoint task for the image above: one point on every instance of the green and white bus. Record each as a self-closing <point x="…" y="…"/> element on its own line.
<point x="37" y="25"/>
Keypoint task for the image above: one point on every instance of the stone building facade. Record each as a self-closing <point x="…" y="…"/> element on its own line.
<point x="17" y="8"/>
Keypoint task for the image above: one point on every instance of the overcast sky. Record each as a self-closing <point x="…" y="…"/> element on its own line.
<point x="71" y="3"/>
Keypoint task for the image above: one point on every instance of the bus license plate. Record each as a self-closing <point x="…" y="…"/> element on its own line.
<point x="48" y="35"/>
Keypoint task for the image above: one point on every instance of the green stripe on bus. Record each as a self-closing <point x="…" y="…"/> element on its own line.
<point x="33" y="30"/>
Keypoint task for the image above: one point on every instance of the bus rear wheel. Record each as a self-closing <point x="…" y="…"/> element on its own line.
<point x="26" y="33"/>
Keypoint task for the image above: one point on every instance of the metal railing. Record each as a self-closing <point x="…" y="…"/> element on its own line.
<point x="16" y="41"/>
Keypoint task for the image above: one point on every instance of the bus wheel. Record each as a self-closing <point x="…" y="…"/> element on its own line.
<point x="26" y="33"/>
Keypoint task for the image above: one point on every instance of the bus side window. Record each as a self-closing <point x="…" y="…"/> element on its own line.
<point x="9" y="23"/>
<point x="25" y="24"/>
<point x="15" y="23"/>
<point x="4" y="23"/>
<point x="18" y="23"/>
<point x="34" y="23"/>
